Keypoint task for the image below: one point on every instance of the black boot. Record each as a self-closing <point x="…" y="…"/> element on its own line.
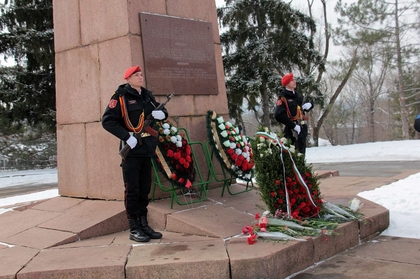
<point x="136" y="233"/>
<point x="144" y="226"/>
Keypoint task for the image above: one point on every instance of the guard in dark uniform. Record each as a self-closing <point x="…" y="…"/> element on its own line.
<point x="291" y="112"/>
<point x="124" y="117"/>
<point x="417" y="123"/>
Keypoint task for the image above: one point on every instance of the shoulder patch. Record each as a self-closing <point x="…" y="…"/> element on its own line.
<point x="112" y="103"/>
<point x="279" y="102"/>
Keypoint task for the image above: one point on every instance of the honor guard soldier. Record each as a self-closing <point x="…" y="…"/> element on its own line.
<point x="125" y="117"/>
<point x="290" y="111"/>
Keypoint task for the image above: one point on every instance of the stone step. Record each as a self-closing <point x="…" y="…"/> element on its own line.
<point x="77" y="238"/>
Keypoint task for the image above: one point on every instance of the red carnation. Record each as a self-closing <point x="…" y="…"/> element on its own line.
<point x="252" y="239"/>
<point x="245" y="166"/>
<point x="169" y="153"/>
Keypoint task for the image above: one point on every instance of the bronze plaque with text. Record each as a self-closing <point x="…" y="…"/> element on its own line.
<point x="178" y="55"/>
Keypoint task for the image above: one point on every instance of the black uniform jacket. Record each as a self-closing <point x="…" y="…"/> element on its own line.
<point x="113" y="120"/>
<point x="293" y="101"/>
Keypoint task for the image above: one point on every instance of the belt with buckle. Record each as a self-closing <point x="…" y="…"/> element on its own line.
<point x="142" y="135"/>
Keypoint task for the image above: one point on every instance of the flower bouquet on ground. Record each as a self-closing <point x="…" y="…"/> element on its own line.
<point x="174" y="155"/>
<point x="291" y="192"/>
<point x="231" y="147"/>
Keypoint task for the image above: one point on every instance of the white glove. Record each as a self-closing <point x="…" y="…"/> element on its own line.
<point x="297" y="129"/>
<point x="158" y="114"/>
<point x="306" y="106"/>
<point x="132" y="142"/>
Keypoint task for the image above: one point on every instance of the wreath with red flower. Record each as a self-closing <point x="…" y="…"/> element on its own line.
<point x="287" y="184"/>
<point x="174" y="155"/>
<point x="232" y="148"/>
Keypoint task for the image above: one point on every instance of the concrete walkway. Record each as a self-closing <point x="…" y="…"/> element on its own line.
<point x="75" y="238"/>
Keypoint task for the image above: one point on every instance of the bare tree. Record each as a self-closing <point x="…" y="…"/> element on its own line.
<point x="383" y="23"/>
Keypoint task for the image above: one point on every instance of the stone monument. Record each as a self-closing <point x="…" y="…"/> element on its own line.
<point x="175" y="42"/>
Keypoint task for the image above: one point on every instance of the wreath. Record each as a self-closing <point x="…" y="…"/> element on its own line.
<point x="174" y="155"/>
<point x="287" y="184"/>
<point x="231" y="147"/>
<point x="291" y="192"/>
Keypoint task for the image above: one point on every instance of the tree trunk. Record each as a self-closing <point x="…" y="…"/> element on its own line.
<point x="404" y="113"/>
<point x="318" y="126"/>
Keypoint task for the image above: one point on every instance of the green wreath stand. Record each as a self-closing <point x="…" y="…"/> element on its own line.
<point x="176" y="160"/>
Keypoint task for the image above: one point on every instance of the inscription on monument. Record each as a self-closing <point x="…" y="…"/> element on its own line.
<point x="178" y="55"/>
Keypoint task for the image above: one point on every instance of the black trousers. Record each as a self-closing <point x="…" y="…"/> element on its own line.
<point x="137" y="175"/>
<point x="300" y="141"/>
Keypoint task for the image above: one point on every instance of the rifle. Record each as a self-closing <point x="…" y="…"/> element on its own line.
<point x="146" y="128"/>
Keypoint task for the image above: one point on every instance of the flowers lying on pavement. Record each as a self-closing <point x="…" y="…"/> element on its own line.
<point x="278" y="227"/>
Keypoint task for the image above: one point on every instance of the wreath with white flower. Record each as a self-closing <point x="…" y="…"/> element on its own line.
<point x="291" y="192"/>
<point x="232" y="148"/>
<point x="174" y="155"/>
<point x="287" y="183"/>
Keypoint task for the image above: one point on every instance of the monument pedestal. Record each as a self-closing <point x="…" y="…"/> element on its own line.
<point x="94" y="45"/>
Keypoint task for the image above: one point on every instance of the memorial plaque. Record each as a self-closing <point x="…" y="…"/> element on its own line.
<point x="178" y="55"/>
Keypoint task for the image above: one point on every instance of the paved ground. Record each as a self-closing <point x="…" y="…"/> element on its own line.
<point x="25" y="189"/>
<point x="369" y="169"/>
<point x="76" y="238"/>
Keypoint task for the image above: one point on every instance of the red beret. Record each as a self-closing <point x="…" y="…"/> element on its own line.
<point x="286" y="79"/>
<point x="131" y="71"/>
